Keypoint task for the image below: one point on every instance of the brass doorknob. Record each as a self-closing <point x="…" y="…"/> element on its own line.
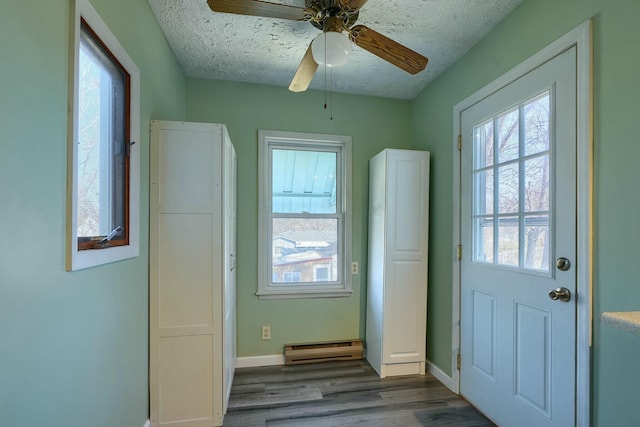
<point x="560" y="294"/>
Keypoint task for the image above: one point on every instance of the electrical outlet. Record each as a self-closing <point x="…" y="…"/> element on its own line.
<point x="266" y="332"/>
<point x="355" y="268"/>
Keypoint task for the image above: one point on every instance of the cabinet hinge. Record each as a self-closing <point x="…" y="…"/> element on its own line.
<point x="459" y="252"/>
<point x="459" y="142"/>
<point x="458" y="361"/>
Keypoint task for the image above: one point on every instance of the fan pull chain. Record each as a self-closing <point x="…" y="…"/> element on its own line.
<point x="325" y="70"/>
<point x="331" y="94"/>
<point x="330" y="91"/>
<point x="325" y="86"/>
<point x="325" y="81"/>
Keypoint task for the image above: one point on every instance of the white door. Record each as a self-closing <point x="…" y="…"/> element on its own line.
<point x="518" y="231"/>
<point x="230" y="208"/>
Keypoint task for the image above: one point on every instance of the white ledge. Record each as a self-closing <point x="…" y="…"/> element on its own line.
<point x="303" y="294"/>
<point x="627" y="320"/>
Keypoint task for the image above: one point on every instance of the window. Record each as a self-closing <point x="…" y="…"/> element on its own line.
<point x="103" y="135"/>
<point x="321" y="273"/>
<point x="292" y="276"/>
<point x="104" y="163"/>
<point x="305" y="220"/>
<point x="512" y="188"/>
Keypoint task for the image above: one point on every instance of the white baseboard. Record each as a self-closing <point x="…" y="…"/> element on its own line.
<point x="441" y="376"/>
<point x="147" y="424"/>
<point x="255" y="361"/>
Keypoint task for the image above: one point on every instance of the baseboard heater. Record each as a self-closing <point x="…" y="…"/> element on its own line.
<point x="296" y="354"/>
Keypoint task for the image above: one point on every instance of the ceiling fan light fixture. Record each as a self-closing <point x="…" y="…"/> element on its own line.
<point x="331" y="49"/>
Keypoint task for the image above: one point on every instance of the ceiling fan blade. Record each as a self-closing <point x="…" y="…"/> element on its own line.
<point x="259" y="8"/>
<point x="305" y="72"/>
<point x="353" y="4"/>
<point x="387" y="49"/>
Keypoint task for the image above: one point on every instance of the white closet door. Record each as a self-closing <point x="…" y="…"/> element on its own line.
<point x="398" y="255"/>
<point x="230" y="208"/>
<point x="186" y="275"/>
<point x="406" y="267"/>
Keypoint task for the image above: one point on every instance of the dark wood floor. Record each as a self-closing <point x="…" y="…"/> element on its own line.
<point x="343" y="394"/>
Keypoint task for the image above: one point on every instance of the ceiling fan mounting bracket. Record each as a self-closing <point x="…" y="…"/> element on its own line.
<point x="323" y="11"/>
<point x="333" y="23"/>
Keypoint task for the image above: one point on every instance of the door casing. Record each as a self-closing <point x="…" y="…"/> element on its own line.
<point x="581" y="38"/>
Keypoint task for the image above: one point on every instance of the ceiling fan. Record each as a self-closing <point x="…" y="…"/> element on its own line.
<point x="333" y="17"/>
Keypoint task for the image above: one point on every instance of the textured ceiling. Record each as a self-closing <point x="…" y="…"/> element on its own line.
<point x="223" y="46"/>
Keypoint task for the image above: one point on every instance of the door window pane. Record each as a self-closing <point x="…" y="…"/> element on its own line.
<point x="483" y="182"/>
<point x="483" y="239"/>
<point x="536" y="184"/>
<point x="536" y="125"/>
<point x="536" y="242"/>
<point x="508" y="188"/>
<point x="508" y="136"/>
<point x="508" y="244"/>
<point x="483" y="145"/>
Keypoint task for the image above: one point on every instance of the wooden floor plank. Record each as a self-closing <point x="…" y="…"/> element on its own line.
<point x="349" y="393"/>
<point x="271" y="398"/>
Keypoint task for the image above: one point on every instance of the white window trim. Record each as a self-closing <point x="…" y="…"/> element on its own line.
<point x="265" y="291"/>
<point x="76" y="259"/>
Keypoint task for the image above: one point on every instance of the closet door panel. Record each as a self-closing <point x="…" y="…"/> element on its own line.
<point x="187" y="388"/>
<point x="187" y="178"/>
<point x="184" y="288"/>
<point x="403" y="314"/>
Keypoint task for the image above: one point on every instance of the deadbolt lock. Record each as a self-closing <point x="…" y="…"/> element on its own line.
<point x="563" y="264"/>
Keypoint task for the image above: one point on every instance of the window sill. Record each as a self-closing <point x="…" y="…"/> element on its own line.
<point x="79" y="260"/>
<point x="314" y="293"/>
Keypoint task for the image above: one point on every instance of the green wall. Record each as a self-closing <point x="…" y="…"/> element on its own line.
<point x="533" y="25"/>
<point x="373" y="123"/>
<point x="74" y="345"/>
